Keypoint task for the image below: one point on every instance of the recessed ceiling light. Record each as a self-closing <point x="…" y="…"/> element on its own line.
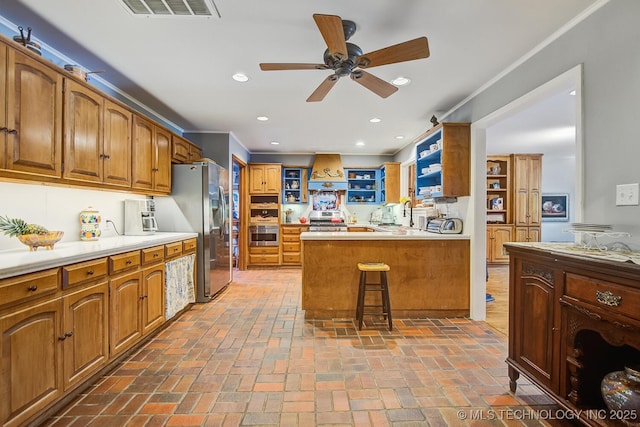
<point x="275" y="143"/>
<point x="375" y="120"/>
<point x="263" y="118"/>
<point x="401" y="81"/>
<point x="399" y="136"/>
<point x="359" y="143"/>
<point x="239" y="77"/>
<point x="572" y="93"/>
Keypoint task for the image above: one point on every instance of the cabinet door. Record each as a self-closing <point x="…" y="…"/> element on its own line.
<point x="257" y="179"/>
<point x="83" y="112"/>
<point x="534" y="180"/>
<point x="117" y="145"/>
<point x="272" y="178"/>
<point x="30" y="351"/>
<point x="527" y="234"/>
<point x="143" y="153"/>
<point x="124" y="309"/>
<point x="527" y="182"/>
<point x="3" y="104"/>
<point x="86" y="325"/>
<point x="152" y="298"/>
<point x="532" y="317"/>
<point x="179" y="150"/>
<point x="34" y="116"/>
<point x="496" y="238"/>
<point x="162" y="165"/>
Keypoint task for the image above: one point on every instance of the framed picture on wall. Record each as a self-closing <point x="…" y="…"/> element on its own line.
<point x="555" y="207"/>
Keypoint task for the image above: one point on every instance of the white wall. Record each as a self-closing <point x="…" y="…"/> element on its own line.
<point x="558" y="177"/>
<point x="58" y="208"/>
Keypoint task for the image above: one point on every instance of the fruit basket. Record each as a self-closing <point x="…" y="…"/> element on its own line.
<point x="34" y="241"/>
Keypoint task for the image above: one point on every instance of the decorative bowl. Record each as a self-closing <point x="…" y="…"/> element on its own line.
<point x="34" y="241"/>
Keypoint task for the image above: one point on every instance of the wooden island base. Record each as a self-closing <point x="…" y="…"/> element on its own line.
<point x="428" y="277"/>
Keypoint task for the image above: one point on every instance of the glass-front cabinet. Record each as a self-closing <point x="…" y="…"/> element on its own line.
<point x="363" y="186"/>
<point x="294" y="185"/>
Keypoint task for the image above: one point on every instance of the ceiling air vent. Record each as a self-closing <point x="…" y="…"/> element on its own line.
<point x="172" y="7"/>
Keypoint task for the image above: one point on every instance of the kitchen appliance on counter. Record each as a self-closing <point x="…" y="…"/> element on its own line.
<point x="445" y="225"/>
<point x="139" y="217"/>
<point x="199" y="203"/>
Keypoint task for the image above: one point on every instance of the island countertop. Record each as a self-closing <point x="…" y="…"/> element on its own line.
<point x="14" y="262"/>
<point x="381" y="233"/>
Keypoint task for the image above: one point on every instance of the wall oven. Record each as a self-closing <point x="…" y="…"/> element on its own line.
<point x="264" y="235"/>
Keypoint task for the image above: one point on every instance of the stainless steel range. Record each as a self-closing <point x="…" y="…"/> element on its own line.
<point x="326" y="221"/>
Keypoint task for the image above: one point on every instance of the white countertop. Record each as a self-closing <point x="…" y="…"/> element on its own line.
<point x="14" y="262"/>
<point x="581" y="251"/>
<point x="380" y="233"/>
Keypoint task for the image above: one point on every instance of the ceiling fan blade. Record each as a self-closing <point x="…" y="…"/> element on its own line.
<point x="373" y="83"/>
<point x="324" y="88"/>
<point x="407" y="51"/>
<point x="291" y="66"/>
<point x="330" y="27"/>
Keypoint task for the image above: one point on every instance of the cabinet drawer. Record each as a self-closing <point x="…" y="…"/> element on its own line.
<point x="151" y="255"/>
<point x="290" y="237"/>
<point x="30" y="285"/>
<point x="605" y="295"/>
<point x="291" y="230"/>
<point x="291" y="258"/>
<point x="189" y="245"/>
<point x="81" y="272"/>
<point x="173" y="249"/>
<point x="264" y="250"/>
<point x="124" y="261"/>
<point x="264" y="259"/>
<point x="291" y="247"/>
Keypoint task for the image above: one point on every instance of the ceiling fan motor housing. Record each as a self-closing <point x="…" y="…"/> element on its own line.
<point x="343" y="67"/>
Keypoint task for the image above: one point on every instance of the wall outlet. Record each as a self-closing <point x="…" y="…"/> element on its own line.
<point x="627" y="194"/>
<point x="107" y="224"/>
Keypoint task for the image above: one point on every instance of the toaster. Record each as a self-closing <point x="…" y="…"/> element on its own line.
<point x="445" y="225"/>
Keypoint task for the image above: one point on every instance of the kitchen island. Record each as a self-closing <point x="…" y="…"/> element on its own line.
<point x="429" y="274"/>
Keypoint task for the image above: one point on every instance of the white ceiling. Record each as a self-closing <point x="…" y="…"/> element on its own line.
<point x="181" y="67"/>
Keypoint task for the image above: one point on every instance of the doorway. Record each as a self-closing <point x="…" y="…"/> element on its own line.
<point x="238" y="184"/>
<point x="481" y="145"/>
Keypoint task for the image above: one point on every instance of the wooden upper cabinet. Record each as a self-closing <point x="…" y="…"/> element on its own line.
<point x="117" y="144"/>
<point x="265" y="178"/>
<point x="3" y="105"/>
<point x="33" y="116"/>
<point x="184" y="151"/>
<point x="151" y="158"/>
<point x="83" y="111"/>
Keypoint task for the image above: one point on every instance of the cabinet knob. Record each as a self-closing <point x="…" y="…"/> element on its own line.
<point x="32" y="288"/>
<point x="13" y="132"/>
<point x="128" y="262"/>
<point x="3" y="129"/>
<point x="69" y="334"/>
<point x="62" y="337"/>
<point x="89" y="272"/>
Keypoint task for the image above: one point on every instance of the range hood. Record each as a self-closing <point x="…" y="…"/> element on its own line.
<point x="327" y="173"/>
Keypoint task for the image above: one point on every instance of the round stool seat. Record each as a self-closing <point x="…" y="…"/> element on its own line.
<point x="373" y="266"/>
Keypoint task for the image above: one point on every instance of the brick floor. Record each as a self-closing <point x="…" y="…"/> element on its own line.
<point x="250" y="358"/>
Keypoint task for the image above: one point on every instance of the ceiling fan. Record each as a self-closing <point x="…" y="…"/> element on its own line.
<point x="347" y="59"/>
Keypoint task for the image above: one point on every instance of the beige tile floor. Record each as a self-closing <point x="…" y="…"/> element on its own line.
<point x="250" y="358"/>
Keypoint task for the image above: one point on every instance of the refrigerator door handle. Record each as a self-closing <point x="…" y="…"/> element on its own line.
<point x="223" y="205"/>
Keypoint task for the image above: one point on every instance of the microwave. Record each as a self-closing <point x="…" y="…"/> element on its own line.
<point x="264" y="235"/>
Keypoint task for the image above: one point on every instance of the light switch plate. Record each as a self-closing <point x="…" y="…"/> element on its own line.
<point x="627" y="194"/>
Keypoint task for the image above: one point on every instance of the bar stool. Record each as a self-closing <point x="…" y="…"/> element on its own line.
<point x="382" y="287"/>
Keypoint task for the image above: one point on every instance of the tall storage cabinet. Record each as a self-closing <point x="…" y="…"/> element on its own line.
<point x="527" y="183"/>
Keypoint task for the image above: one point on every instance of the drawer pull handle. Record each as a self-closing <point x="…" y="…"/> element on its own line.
<point x="156" y="255"/>
<point x="32" y="288"/>
<point x="128" y="262"/>
<point x="608" y="298"/>
<point x="89" y="272"/>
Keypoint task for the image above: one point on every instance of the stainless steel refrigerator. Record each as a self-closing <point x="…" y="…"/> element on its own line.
<point x="199" y="203"/>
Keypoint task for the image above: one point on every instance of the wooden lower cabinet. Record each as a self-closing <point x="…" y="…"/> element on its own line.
<point x="85" y="332"/>
<point x="124" y="308"/>
<point x="497" y="236"/>
<point x="152" y="298"/>
<point x="290" y="243"/>
<point x="527" y="234"/>
<point x="264" y="255"/>
<point x="31" y="360"/>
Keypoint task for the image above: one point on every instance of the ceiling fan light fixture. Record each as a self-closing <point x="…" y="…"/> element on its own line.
<point x="240" y="77"/>
<point x="401" y="81"/>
